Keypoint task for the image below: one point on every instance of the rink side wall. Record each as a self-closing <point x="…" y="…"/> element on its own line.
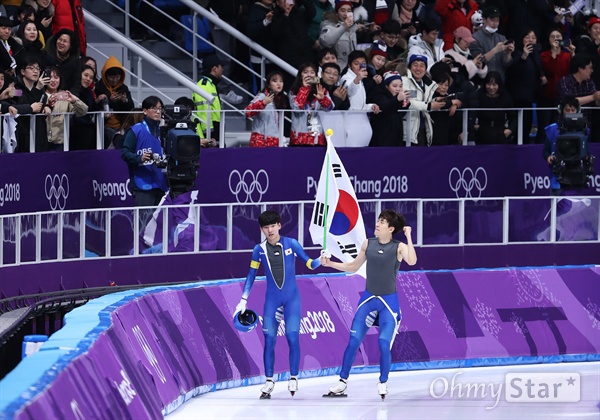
<point x="141" y="354"/>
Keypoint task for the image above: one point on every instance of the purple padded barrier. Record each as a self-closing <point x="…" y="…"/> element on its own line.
<point x="164" y="345"/>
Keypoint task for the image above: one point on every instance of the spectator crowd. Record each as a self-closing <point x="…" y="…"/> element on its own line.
<point x="380" y="58"/>
<point x="402" y="70"/>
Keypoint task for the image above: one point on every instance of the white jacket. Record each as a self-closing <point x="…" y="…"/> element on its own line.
<point x="416" y="45"/>
<point x="419" y="103"/>
<point x="356" y="93"/>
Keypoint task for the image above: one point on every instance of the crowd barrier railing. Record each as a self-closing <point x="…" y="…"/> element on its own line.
<point x="69" y="235"/>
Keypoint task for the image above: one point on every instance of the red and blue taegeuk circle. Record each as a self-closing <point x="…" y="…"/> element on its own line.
<point x="346" y="214"/>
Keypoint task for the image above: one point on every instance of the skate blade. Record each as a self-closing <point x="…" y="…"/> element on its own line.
<point x="383" y="397"/>
<point x="334" y="395"/>
<point x="293" y="393"/>
<point x="265" y="396"/>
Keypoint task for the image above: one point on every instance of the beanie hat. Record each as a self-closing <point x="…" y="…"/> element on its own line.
<point x="378" y="48"/>
<point x="340" y="3"/>
<point x="417" y="57"/>
<point x="390" y="76"/>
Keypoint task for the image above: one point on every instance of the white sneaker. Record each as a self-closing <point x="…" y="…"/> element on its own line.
<point x="293" y="385"/>
<point x="339" y="387"/>
<point x="382" y="389"/>
<point x="232" y="97"/>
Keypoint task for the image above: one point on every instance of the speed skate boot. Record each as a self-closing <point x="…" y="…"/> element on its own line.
<point x="267" y="389"/>
<point x="293" y="385"/>
<point x="382" y="389"/>
<point x="338" y="389"/>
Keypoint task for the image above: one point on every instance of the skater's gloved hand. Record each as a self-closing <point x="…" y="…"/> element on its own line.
<point x="241" y="307"/>
<point x="325" y="253"/>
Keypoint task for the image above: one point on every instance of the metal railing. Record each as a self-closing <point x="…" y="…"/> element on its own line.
<point x="230" y="137"/>
<point x="31" y="238"/>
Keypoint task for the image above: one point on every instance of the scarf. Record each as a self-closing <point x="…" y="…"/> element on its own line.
<point x="466" y="52"/>
<point x="405" y="15"/>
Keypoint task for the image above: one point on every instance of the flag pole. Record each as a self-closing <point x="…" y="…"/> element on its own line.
<point x="328" y="134"/>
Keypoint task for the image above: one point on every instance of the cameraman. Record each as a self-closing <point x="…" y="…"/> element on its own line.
<point x="142" y="141"/>
<point x="569" y="105"/>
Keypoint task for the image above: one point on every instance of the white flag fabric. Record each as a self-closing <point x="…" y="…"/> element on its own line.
<point x="336" y="199"/>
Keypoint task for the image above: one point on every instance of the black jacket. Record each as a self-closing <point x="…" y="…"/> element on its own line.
<point x="387" y="124"/>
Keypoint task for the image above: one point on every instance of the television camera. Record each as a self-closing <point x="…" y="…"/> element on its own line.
<point x="181" y="146"/>
<point x="573" y="162"/>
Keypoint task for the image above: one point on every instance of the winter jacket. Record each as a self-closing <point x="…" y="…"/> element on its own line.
<point x="291" y="32"/>
<point x="335" y="34"/>
<point x="55" y="122"/>
<point x="388" y="124"/>
<point x="102" y="87"/>
<point x="419" y="103"/>
<point x="453" y="17"/>
<point x="416" y="45"/>
<point x="69" y="14"/>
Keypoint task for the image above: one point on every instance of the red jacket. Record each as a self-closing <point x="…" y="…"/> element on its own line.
<point x="69" y="14"/>
<point x="554" y="69"/>
<point x="453" y="17"/>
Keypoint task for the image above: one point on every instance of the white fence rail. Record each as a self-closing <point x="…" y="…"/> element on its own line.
<point x="31" y="238"/>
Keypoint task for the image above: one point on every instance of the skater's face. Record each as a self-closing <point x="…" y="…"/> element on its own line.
<point x="271" y="232"/>
<point x="383" y="229"/>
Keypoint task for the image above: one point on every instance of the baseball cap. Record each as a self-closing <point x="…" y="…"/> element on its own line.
<point x="464" y="33"/>
<point x="491" y="12"/>
<point x="210" y="61"/>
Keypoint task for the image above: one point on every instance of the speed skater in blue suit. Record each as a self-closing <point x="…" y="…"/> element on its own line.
<point x="278" y="254"/>
<point x="379" y="302"/>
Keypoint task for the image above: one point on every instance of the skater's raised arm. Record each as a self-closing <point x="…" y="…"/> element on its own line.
<point x="407" y="251"/>
<point x="351" y="266"/>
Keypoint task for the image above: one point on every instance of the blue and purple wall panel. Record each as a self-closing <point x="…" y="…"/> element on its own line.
<point x="141" y="354"/>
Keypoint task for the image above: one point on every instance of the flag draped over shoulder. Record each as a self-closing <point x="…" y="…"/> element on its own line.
<point x="336" y="212"/>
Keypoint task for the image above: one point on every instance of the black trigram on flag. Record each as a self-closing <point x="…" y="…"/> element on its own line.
<point x="349" y="249"/>
<point x="337" y="170"/>
<point x="319" y="216"/>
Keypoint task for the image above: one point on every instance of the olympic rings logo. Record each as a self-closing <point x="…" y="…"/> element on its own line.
<point x="248" y="187"/>
<point x="467" y="184"/>
<point x="57" y="190"/>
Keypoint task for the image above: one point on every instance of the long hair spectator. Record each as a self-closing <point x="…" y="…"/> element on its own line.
<point x="307" y="98"/>
<point x="338" y="30"/>
<point x="31" y="38"/>
<point x="264" y="112"/>
<point x="495" y="126"/>
<point x="44" y="13"/>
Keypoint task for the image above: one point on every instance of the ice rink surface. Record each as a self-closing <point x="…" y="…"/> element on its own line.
<point x="465" y="393"/>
